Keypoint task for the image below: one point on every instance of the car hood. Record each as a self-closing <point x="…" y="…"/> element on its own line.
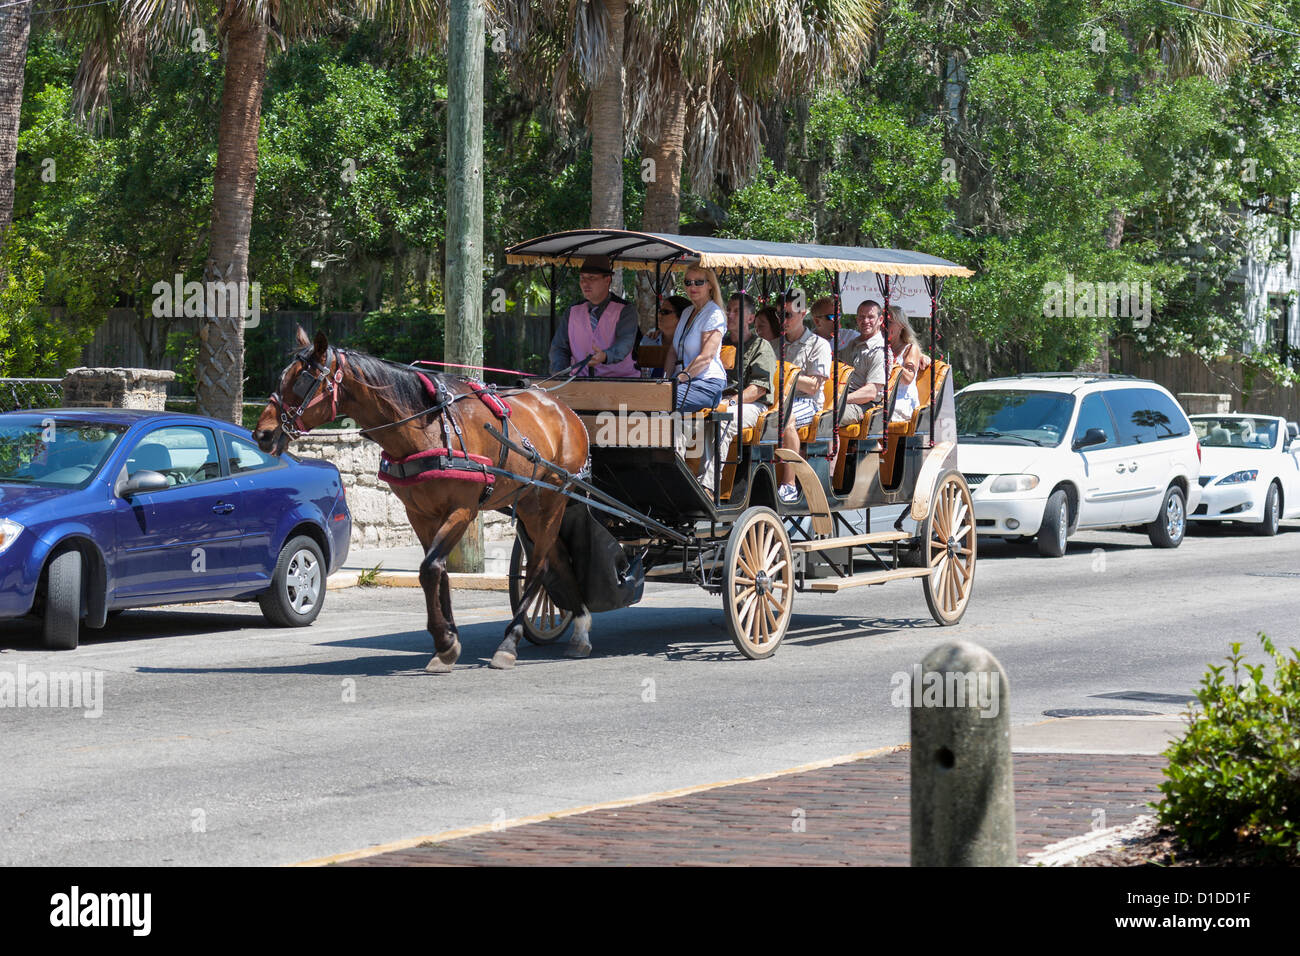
<point x="983" y="458"/>
<point x="17" y="501"/>
<point x="1217" y="462"/>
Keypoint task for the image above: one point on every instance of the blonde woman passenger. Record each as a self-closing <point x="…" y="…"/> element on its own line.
<point x="694" y="357"/>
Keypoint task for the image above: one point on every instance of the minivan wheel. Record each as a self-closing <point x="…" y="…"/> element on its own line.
<point x="1055" y="529"/>
<point x="1272" y="513"/>
<point x="297" y="587"/>
<point x="1171" y="524"/>
<point x="62" y="624"/>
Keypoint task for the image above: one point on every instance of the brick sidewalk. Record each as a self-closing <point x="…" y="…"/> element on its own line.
<point x="854" y="814"/>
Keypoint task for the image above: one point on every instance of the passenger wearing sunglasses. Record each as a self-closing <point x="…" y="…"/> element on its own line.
<point x="668" y="314"/>
<point x="694" y="356"/>
<point x="825" y="319"/>
<point x="602" y="327"/>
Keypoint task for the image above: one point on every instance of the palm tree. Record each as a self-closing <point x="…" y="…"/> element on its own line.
<point x="15" y="28"/>
<point x="705" y="70"/>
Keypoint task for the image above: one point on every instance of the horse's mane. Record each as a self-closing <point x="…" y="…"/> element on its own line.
<point x="401" y="382"/>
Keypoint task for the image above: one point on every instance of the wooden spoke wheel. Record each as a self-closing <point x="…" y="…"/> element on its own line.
<point x="949" y="549"/>
<point x="758" y="590"/>
<point x="543" y="623"/>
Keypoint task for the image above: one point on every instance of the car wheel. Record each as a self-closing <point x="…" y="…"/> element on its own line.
<point x="1055" y="529"/>
<point x="1171" y="524"/>
<point x="298" y="585"/>
<point x="63" y="601"/>
<point x="1272" y="513"/>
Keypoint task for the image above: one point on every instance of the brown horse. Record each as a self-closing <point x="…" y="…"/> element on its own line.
<point x="394" y="407"/>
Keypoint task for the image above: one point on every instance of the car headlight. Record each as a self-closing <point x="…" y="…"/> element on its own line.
<point x="1237" y="477"/>
<point x="9" y="532"/>
<point x="1014" y="483"/>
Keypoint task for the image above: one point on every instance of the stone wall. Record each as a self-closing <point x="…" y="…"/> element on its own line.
<point x="1205" y="403"/>
<point x="116" y="388"/>
<point x="378" y="516"/>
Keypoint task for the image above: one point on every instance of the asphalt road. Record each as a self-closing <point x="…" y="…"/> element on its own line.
<point x="225" y="742"/>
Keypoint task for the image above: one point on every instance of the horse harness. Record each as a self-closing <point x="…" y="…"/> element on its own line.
<point x="307" y="388"/>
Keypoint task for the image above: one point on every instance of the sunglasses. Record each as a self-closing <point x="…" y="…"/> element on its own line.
<point x="690" y="282"/>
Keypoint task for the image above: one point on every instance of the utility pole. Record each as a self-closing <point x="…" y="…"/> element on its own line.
<point x="463" y="293"/>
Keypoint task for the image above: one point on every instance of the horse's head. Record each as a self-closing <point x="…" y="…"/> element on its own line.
<point x="308" y="394"/>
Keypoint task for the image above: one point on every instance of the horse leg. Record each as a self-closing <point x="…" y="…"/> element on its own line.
<point x="543" y="525"/>
<point x="580" y="643"/>
<point x="433" y="579"/>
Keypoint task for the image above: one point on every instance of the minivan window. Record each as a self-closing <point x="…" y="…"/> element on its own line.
<point x="1093" y="413"/>
<point x="1013" y="417"/>
<point x="1145" y="415"/>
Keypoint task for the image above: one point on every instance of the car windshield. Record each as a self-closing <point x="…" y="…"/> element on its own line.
<point x="1235" y="431"/>
<point x="53" y="452"/>
<point x="1013" y="416"/>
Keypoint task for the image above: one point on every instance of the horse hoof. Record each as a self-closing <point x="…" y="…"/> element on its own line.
<point x="436" y="666"/>
<point x="577" y="650"/>
<point x="444" y="662"/>
<point x="502" y="661"/>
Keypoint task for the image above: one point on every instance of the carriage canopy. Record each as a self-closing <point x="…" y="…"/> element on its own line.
<point x="646" y="250"/>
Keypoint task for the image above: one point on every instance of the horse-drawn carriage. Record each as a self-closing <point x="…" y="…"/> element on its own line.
<point x="740" y="539"/>
<point x="452" y="447"/>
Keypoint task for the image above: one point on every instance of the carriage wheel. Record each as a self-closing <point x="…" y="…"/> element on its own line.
<point x="949" y="531"/>
<point x="544" y="623"/>
<point x="759" y="591"/>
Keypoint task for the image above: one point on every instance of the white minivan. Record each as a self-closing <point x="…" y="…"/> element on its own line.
<point x="1045" y="455"/>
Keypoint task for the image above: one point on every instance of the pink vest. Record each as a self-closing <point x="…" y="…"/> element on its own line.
<point x="582" y="341"/>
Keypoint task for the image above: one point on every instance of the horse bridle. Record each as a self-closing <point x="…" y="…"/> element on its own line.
<point x="314" y="384"/>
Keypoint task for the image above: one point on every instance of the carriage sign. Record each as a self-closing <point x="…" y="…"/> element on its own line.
<point x="907" y="292"/>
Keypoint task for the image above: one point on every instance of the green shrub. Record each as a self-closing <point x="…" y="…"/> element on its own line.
<point x="1234" y="779"/>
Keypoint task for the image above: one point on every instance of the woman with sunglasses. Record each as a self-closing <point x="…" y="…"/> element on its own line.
<point x="693" y="356"/>
<point x="669" y="314"/>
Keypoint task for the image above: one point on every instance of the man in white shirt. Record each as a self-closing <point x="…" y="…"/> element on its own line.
<point x="800" y="346"/>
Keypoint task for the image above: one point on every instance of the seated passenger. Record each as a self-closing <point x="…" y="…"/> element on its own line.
<point x="669" y="313"/>
<point x="907" y="353"/>
<point x="803" y="347"/>
<point x="697" y="344"/>
<point x="826" y="323"/>
<point x="760" y="373"/>
<point x="601" y="328"/>
<point x="766" y="324"/>
<point x="866" y="384"/>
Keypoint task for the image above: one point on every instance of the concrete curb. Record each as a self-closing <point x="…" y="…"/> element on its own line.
<point x="1076" y="848"/>
<point x="411" y="579"/>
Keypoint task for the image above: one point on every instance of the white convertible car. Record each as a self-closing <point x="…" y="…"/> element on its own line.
<point x="1250" y="469"/>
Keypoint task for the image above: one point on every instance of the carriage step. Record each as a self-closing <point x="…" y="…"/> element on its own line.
<point x="853" y="540"/>
<point x="871" y="577"/>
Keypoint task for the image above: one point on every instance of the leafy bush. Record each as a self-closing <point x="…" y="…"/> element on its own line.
<point x="1234" y="778"/>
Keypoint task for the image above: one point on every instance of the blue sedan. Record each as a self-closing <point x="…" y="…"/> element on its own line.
<point x="107" y="509"/>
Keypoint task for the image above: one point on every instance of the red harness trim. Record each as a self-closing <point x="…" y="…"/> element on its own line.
<point x="444" y="465"/>
<point x="495" y="403"/>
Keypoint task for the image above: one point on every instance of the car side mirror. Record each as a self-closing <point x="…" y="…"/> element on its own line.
<point x="1093" y="436"/>
<point x="142" y="482"/>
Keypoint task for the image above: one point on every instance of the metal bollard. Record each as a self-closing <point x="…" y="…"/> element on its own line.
<point x="963" y="807"/>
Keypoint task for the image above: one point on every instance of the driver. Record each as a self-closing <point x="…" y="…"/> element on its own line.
<point x="602" y="326"/>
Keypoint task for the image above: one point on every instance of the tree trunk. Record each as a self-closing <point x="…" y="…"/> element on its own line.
<point x="607" y="135"/>
<point x="15" y="27"/>
<point x="464" y="280"/>
<point x="663" y="196"/>
<point x="1100" y="362"/>
<point x="220" y="370"/>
